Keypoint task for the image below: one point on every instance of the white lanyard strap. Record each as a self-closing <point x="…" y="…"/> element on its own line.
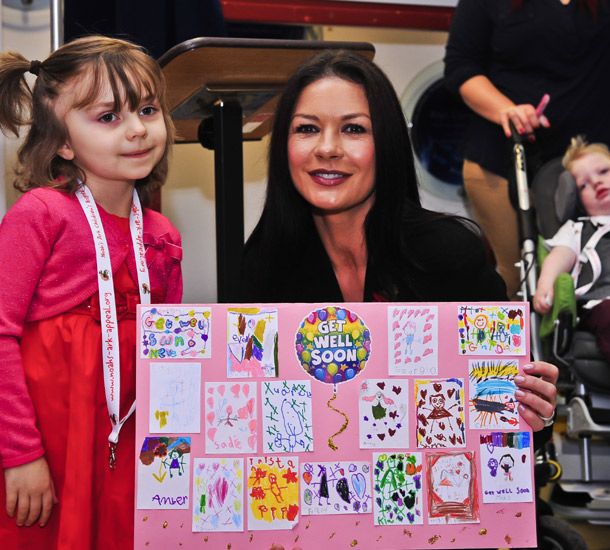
<point x="108" y="315"/>
<point x="589" y="254"/>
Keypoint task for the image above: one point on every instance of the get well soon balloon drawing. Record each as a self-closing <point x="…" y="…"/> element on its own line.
<point x="333" y="345"/>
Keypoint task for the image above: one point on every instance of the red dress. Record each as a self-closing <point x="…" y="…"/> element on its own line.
<point x="63" y="367"/>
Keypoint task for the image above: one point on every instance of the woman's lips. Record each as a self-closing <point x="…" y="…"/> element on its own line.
<point x="329" y="177"/>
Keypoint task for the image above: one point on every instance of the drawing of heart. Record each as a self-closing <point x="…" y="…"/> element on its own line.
<point x="307" y="477"/>
<point x="211" y="417"/>
<point x="423" y="432"/>
<point x="235" y="389"/>
<point x="381" y="385"/>
<point x="397" y="335"/>
<point x="395" y="324"/>
<point x="252" y="426"/>
<point x="427" y="327"/>
<point x="427" y="351"/>
<point x="430" y="317"/>
<point x="221" y="389"/>
<point x="212" y="433"/>
<point x="437" y="387"/>
<point x="459" y="422"/>
<point x="210" y="390"/>
<point x="359" y="484"/>
<point x="246" y="389"/>
<point x="450" y="392"/>
<point x="342" y="471"/>
<point x="396" y="389"/>
<point x="391" y="432"/>
<point x="394" y="313"/>
<point x="247" y="410"/>
<point x="428" y="440"/>
<point x="427" y="338"/>
<point x="441" y="425"/>
<point x="440" y="437"/>
<point x="417" y="359"/>
<point x="252" y="442"/>
<point x="407" y="359"/>
<point x="423" y="393"/>
<point x="381" y="436"/>
<point x="396" y="345"/>
<point x="210" y="402"/>
<point x="452" y="439"/>
<point x="393" y="415"/>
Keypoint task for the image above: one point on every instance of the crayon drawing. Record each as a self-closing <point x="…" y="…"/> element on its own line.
<point x="273" y="492"/>
<point x="176" y="332"/>
<point x="492" y="394"/>
<point x="506" y="467"/>
<point x="491" y="330"/>
<point x="413" y="340"/>
<point x="382" y="409"/>
<point x="218" y="494"/>
<point x="440" y="413"/>
<point x="163" y="473"/>
<point x="342" y="487"/>
<point x="231" y="423"/>
<point x="287" y="423"/>
<point x="452" y="488"/>
<point x="397" y="482"/>
<point x="252" y="335"/>
<point x="175" y="398"/>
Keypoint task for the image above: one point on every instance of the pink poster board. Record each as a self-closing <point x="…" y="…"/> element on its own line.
<point x="360" y="425"/>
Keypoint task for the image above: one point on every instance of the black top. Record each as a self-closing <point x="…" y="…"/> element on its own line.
<point x="543" y="47"/>
<point x="448" y="263"/>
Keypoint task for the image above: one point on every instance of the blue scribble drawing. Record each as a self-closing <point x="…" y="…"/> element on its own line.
<point x="287" y="424"/>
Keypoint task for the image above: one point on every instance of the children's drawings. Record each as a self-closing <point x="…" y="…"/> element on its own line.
<point x="163" y="473"/>
<point x="175" y="398"/>
<point x="382" y="409"/>
<point x="492" y="394"/>
<point x="413" y="340"/>
<point x="252" y="335"/>
<point x="397" y="483"/>
<point x="273" y="492"/>
<point x="287" y="423"/>
<point x="176" y="333"/>
<point x="452" y="488"/>
<point x="491" y="330"/>
<point x="218" y="494"/>
<point x="231" y="423"/>
<point x="506" y="467"/>
<point x="342" y="487"/>
<point x="440" y="413"/>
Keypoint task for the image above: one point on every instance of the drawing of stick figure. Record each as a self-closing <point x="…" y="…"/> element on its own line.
<point x="275" y="489"/>
<point x="506" y="463"/>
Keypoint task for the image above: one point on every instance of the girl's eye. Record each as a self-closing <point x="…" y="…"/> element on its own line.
<point x="305" y="129"/>
<point x="354" y="129"/>
<point x="583" y="185"/>
<point x="108" y="117"/>
<point x="148" y="110"/>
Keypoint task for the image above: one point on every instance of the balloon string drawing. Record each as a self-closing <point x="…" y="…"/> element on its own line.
<point x="333" y="345"/>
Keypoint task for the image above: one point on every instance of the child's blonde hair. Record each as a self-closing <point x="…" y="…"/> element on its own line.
<point x="133" y="77"/>
<point x="579" y="147"/>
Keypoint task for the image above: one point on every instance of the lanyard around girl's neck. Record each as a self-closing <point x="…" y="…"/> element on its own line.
<point x="108" y="315"/>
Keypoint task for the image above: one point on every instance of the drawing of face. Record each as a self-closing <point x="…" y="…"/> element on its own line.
<point x="492" y="464"/>
<point x="592" y="175"/>
<point x="480" y="322"/>
<point x="437" y="401"/>
<point x="506" y="463"/>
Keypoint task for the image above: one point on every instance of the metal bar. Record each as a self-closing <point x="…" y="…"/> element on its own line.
<point x="228" y="159"/>
<point x="57" y="24"/>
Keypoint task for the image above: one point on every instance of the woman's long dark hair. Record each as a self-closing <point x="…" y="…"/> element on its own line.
<point x="287" y="219"/>
<point x="591" y="4"/>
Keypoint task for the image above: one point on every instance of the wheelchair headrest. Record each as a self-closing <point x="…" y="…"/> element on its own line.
<point x="555" y="197"/>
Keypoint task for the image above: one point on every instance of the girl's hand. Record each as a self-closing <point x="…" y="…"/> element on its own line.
<point x="30" y="493"/>
<point x="543" y="299"/>
<point x="537" y="393"/>
<point x="524" y="117"/>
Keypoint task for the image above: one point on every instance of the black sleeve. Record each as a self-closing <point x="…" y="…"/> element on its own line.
<point x="455" y="264"/>
<point x="469" y="45"/>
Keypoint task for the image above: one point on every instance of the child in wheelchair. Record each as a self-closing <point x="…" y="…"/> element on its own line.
<point x="582" y="246"/>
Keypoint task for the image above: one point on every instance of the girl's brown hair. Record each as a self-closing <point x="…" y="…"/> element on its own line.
<point x="133" y="76"/>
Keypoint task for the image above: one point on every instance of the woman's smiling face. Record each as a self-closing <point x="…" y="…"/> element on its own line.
<point x="331" y="150"/>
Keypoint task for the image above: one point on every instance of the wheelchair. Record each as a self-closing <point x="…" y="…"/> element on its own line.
<point x="582" y="490"/>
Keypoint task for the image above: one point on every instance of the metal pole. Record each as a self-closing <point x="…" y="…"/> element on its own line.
<point x="57" y="24"/>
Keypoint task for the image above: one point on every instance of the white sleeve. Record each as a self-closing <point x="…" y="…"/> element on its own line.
<point x="568" y="235"/>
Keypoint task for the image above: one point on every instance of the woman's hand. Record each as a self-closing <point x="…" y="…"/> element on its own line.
<point x="524" y="117"/>
<point x="537" y="393"/>
<point x="30" y="493"/>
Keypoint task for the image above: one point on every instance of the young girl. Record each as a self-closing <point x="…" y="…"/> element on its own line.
<point x="78" y="253"/>
<point x="582" y="247"/>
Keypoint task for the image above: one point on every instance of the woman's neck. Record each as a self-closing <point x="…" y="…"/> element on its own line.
<point x="344" y="240"/>
<point x="114" y="198"/>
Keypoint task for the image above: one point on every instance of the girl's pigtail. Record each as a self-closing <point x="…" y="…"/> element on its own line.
<point x="15" y="94"/>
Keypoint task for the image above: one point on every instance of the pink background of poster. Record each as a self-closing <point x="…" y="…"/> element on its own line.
<point x="501" y="525"/>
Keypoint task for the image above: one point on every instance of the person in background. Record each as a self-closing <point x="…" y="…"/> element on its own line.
<point x="579" y="246"/>
<point x="78" y="253"/>
<point x="503" y="57"/>
<point x="342" y="220"/>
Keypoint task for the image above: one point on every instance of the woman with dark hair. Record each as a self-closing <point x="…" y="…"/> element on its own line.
<point x="503" y="57"/>
<point x="342" y="220"/>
